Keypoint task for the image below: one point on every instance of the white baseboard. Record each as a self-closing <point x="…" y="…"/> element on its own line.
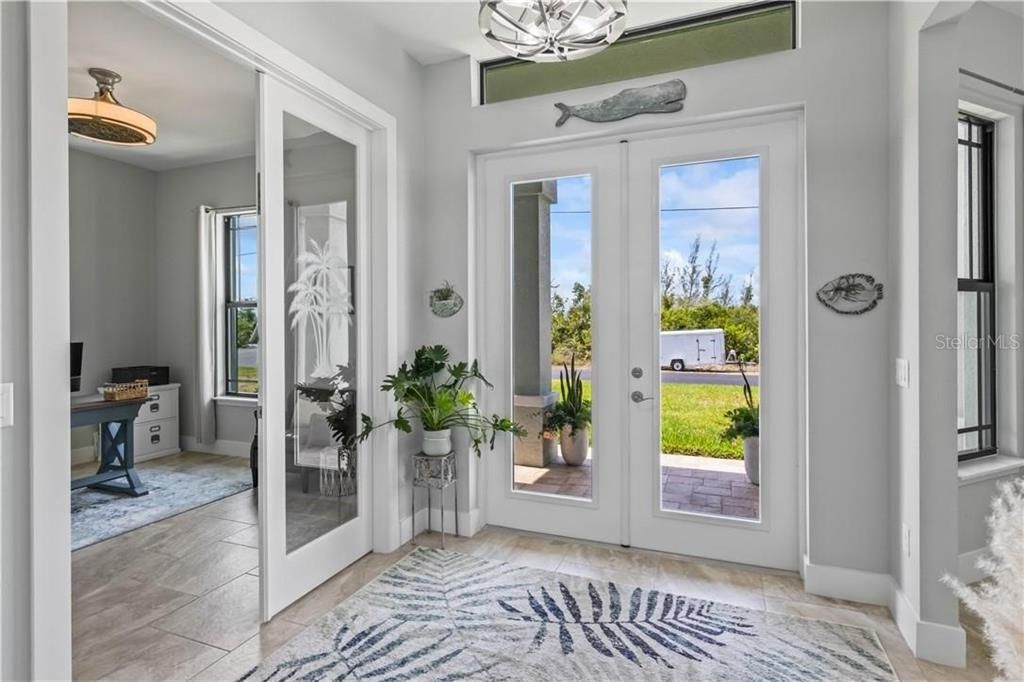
<point x="935" y="642"/>
<point x="231" y="448"/>
<point x="469" y="522"/>
<point x="968" y="570"/>
<point x="847" y="583"/>
<point x="942" y="644"/>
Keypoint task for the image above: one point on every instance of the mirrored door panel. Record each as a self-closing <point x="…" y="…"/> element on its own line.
<point x="320" y="366"/>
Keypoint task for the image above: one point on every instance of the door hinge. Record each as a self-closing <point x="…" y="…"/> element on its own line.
<point x="259" y="195"/>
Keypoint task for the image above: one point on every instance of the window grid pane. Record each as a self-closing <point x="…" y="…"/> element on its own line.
<point x="976" y="336"/>
<point x="241" y="323"/>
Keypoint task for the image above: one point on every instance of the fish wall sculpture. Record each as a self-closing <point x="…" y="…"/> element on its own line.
<point x="852" y="294"/>
<point x="663" y="98"/>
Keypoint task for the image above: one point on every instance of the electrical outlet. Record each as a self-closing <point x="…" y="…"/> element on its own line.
<point x="906" y="540"/>
<point x="902" y="372"/>
<point x="6" y="405"/>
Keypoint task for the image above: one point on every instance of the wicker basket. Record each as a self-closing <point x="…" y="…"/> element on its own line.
<point x="131" y="390"/>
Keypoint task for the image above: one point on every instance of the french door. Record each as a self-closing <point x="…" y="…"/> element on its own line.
<point x="528" y="269"/>
<point x="313" y="496"/>
<point x="736" y="189"/>
<point x="617" y="256"/>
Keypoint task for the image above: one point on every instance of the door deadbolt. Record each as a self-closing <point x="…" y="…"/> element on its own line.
<point x="637" y="372"/>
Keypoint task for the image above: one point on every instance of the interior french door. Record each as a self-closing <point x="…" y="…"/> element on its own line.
<point x="314" y="497"/>
<point x="736" y="178"/>
<point x="582" y="228"/>
<point x="525" y="268"/>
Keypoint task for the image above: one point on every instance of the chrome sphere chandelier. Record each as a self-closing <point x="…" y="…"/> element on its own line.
<point x="552" y="30"/>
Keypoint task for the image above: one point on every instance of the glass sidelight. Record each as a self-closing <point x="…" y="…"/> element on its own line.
<point x="320" y="350"/>
<point x="553" y="340"/>
<point x="709" y="324"/>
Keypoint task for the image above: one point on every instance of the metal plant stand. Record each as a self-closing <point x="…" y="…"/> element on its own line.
<point x="434" y="472"/>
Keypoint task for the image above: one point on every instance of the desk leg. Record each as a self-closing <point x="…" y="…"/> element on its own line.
<point x="117" y="453"/>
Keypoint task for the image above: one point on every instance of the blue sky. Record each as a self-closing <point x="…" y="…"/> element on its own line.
<point x="248" y="272"/>
<point x="717" y="200"/>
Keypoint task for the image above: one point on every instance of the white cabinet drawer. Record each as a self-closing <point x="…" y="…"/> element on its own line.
<point x="163" y="404"/>
<point x="155" y="436"/>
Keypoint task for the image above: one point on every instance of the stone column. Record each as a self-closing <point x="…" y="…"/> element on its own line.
<point x="531" y="317"/>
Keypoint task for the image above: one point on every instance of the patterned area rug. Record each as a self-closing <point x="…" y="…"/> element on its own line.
<point x="440" y="615"/>
<point x="98" y="515"/>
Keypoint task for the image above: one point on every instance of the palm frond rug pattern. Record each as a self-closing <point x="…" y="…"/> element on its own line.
<point x="440" y="615"/>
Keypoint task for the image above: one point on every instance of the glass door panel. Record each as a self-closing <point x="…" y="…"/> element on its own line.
<point x="714" y="284"/>
<point x="314" y="499"/>
<point x="552" y="342"/>
<point x="550" y="225"/>
<point x="709" y="330"/>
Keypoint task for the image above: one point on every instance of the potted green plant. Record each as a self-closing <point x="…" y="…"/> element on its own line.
<point x="745" y="423"/>
<point x="439" y="405"/>
<point x="445" y="301"/>
<point x="569" y="420"/>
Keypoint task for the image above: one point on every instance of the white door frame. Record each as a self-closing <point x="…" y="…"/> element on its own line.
<point x="481" y="293"/>
<point x="49" y="295"/>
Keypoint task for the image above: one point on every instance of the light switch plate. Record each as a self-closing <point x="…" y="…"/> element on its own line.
<point x="902" y="372"/>
<point x="6" y="405"/>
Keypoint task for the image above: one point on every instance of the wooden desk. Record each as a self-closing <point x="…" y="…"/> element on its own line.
<point x="116" y="419"/>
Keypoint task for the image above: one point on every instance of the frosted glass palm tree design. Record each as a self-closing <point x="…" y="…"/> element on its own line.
<point x="320" y="296"/>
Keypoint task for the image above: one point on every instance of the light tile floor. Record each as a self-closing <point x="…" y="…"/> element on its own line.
<point x="705" y="485"/>
<point x="178" y="599"/>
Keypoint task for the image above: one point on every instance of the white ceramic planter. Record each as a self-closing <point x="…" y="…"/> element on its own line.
<point x="752" y="459"/>
<point x="437" y="442"/>
<point x="574" y="447"/>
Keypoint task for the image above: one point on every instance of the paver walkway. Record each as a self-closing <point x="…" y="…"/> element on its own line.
<point x="706" y="485"/>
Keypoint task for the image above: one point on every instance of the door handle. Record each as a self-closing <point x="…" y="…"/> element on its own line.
<point x="638" y="397"/>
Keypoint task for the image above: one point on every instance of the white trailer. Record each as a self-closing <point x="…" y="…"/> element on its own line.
<point x="692" y="348"/>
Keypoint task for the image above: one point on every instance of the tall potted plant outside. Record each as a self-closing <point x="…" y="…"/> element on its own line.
<point x="439" y="405"/>
<point x="569" y="421"/>
<point x="745" y="423"/>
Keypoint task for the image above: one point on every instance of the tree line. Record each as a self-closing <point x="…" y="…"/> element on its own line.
<point x="695" y="295"/>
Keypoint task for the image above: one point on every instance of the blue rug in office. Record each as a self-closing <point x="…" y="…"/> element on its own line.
<point x="98" y="515"/>
<point x="441" y="615"/>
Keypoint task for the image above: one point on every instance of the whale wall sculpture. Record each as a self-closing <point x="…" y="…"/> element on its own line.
<point x="663" y="98"/>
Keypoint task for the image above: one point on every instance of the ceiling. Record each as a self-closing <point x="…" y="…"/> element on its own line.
<point x="203" y="102"/>
<point x="433" y="32"/>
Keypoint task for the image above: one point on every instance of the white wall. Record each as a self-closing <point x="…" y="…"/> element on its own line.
<point x="929" y="43"/>
<point x="179" y="194"/>
<point x="14" y="365"/>
<point x="839" y="76"/>
<point x="113" y="291"/>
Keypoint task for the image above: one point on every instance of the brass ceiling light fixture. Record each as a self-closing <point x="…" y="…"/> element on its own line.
<point x="104" y="119"/>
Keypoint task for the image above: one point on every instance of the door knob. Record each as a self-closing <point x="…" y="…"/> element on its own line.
<point x="638" y="397"/>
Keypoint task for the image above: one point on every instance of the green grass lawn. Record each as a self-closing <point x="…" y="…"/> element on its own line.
<point x="248" y="382"/>
<point x="693" y="417"/>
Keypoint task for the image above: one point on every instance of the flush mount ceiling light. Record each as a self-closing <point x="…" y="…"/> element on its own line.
<point x="552" y="30"/>
<point x="102" y="118"/>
